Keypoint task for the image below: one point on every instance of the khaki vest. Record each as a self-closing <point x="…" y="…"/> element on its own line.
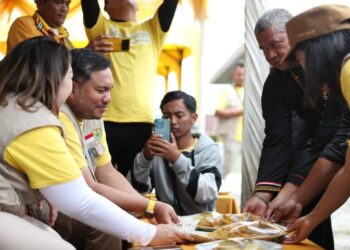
<point x="90" y="134"/>
<point x="347" y="57"/>
<point x="15" y="192"/>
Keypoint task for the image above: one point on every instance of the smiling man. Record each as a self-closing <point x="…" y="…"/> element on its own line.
<point x="86" y="140"/>
<point x="46" y="21"/>
<point x="282" y="95"/>
<point x="185" y="172"/>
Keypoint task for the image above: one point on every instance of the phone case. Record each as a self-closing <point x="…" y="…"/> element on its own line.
<point x="162" y="127"/>
<point x="119" y="44"/>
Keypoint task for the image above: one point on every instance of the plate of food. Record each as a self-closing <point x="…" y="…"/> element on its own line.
<point x="211" y="223"/>
<point x="228" y="226"/>
<point x="250" y="230"/>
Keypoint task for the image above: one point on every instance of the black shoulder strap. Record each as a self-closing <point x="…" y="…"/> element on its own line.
<point x="172" y="177"/>
<point x="177" y="205"/>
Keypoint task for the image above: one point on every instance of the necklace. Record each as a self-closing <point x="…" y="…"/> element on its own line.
<point x="324" y="97"/>
<point x="297" y="80"/>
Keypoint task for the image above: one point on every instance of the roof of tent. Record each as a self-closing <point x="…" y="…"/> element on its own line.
<point x="223" y="75"/>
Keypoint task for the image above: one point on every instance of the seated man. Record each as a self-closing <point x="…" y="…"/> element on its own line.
<point x="86" y="139"/>
<point x="185" y="172"/>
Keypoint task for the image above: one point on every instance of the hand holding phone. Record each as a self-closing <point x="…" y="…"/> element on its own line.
<point x="162" y="127"/>
<point x="118" y="44"/>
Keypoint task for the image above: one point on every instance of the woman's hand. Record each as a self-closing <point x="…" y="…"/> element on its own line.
<point x="301" y="229"/>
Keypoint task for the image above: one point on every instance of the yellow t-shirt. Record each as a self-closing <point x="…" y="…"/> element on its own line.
<point x="43" y="156"/>
<point x="345" y="83"/>
<point x="133" y="71"/>
<point x="74" y="144"/>
<point x="222" y="101"/>
<point x="239" y="128"/>
<point x="228" y="99"/>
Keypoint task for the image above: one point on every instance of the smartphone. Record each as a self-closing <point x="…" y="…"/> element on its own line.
<point x="119" y="44"/>
<point x="162" y="127"/>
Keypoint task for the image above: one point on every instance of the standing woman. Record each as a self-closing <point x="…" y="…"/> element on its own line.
<point x="35" y="163"/>
<point x="320" y="39"/>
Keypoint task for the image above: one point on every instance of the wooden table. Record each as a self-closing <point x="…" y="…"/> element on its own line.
<point x="225" y="204"/>
<point x="304" y="245"/>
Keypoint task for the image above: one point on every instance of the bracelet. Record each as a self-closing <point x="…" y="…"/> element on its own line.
<point x="262" y="199"/>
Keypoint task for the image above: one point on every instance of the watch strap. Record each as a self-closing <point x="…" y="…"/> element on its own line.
<point x="150" y="207"/>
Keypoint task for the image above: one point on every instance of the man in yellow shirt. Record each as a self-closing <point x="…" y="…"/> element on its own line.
<point x="86" y="140"/>
<point x="129" y="116"/>
<point x="230" y="121"/>
<point x="46" y="21"/>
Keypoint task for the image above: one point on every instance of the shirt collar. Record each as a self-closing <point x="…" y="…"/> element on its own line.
<point x="47" y="30"/>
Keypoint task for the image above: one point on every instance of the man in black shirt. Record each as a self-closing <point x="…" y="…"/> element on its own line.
<point x="283" y="93"/>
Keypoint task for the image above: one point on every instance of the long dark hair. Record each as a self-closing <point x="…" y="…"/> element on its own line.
<point x="323" y="61"/>
<point x="34" y="71"/>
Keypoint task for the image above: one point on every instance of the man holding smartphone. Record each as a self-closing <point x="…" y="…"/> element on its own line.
<point x="185" y="171"/>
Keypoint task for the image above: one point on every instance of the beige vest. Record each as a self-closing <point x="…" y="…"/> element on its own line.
<point x="347" y="57"/>
<point x="90" y="134"/>
<point x="15" y="192"/>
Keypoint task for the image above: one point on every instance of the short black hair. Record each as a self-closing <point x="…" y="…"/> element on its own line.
<point x="188" y="100"/>
<point x="85" y="62"/>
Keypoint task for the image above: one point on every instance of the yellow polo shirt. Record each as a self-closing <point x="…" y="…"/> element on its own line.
<point x="239" y="128"/>
<point x="26" y="27"/>
<point x="75" y="147"/>
<point x="43" y="156"/>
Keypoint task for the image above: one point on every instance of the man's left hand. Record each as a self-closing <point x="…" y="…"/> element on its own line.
<point x="163" y="148"/>
<point x="164" y="213"/>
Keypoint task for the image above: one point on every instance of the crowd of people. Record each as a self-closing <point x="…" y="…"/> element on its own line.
<point x="78" y="153"/>
<point x="61" y="94"/>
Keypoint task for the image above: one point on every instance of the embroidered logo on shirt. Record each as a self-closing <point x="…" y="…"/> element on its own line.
<point x="138" y="37"/>
<point x="97" y="134"/>
<point x="93" y="143"/>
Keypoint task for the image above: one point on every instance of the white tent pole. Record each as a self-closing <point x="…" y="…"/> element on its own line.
<point x="256" y="70"/>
